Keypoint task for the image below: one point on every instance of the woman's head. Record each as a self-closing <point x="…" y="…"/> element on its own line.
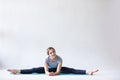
<point x="51" y="52"/>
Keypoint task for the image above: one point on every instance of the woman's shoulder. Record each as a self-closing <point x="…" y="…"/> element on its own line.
<point x="47" y="58"/>
<point x="58" y="57"/>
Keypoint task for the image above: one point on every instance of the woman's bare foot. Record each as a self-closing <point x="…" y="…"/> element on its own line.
<point x="92" y="72"/>
<point x="14" y="71"/>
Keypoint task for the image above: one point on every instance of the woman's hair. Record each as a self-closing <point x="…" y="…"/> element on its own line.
<point x="49" y="48"/>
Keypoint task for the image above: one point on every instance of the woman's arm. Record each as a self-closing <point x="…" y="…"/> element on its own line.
<point x="58" y="69"/>
<point x="46" y="69"/>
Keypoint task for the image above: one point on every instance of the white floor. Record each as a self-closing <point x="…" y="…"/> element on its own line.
<point x="101" y="75"/>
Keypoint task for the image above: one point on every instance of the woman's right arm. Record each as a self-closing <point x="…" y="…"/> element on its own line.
<point x="46" y="69"/>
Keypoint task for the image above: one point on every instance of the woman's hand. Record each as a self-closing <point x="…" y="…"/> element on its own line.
<point x="51" y="74"/>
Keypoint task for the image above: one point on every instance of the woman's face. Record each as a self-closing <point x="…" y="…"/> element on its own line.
<point x="52" y="54"/>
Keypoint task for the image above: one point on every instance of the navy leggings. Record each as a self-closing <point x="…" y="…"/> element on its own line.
<point x="64" y="70"/>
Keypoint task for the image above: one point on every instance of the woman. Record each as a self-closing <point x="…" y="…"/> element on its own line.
<point x="52" y="67"/>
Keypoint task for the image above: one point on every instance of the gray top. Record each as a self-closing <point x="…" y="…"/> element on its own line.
<point x="53" y="64"/>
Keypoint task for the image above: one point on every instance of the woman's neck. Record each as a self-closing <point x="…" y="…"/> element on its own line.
<point x="53" y="59"/>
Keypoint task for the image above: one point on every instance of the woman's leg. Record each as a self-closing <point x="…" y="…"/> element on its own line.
<point x="33" y="70"/>
<point x="67" y="70"/>
<point x="27" y="71"/>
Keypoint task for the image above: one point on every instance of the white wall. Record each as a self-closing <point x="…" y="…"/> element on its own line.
<point x="84" y="32"/>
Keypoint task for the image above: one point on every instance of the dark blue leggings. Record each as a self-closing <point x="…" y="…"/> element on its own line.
<point x="64" y="70"/>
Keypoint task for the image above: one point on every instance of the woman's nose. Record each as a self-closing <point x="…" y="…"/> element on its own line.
<point x="53" y="54"/>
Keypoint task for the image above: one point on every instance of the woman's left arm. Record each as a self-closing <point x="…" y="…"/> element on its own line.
<point x="58" y="69"/>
